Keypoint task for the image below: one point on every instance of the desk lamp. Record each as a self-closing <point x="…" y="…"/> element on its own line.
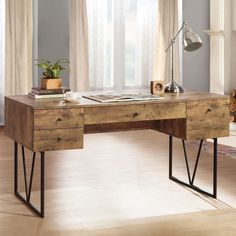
<point x="191" y="42"/>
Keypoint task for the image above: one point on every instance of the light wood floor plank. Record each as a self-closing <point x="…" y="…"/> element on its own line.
<point x="118" y="185"/>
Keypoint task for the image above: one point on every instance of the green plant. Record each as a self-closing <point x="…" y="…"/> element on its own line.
<point x="52" y="70"/>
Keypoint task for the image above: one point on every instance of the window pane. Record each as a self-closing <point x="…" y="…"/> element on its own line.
<point x="130" y="42"/>
<point x="140" y="26"/>
<point x="121" y="40"/>
<point x="100" y="28"/>
<point x="108" y="79"/>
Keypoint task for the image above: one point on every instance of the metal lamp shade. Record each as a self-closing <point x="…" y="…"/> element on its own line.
<point x="191" y="40"/>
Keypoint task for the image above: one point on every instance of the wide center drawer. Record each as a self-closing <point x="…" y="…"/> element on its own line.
<point x="137" y="112"/>
<point x="58" y="118"/>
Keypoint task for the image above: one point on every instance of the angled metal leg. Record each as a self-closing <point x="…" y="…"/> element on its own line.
<point x="191" y="179"/>
<point x="24" y="169"/>
<point x="31" y="178"/>
<point x="28" y="188"/>
<point x="196" y="164"/>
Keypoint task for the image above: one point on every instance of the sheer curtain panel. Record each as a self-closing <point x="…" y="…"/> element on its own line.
<point x="78" y="45"/>
<point x="19" y="41"/>
<point x="167" y="25"/>
<point x="2" y="60"/>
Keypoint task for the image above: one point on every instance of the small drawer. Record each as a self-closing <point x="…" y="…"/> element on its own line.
<point x="207" y="119"/>
<point x="58" y="118"/>
<point x="58" y="139"/>
<point x="137" y="112"/>
<point x="210" y="108"/>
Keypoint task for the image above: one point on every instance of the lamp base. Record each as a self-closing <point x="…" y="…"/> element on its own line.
<point x="173" y="87"/>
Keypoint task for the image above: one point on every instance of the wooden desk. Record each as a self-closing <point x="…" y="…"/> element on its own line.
<point x="49" y="124"/>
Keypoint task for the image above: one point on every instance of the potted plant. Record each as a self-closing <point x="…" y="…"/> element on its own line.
<point x="51" y="79"/>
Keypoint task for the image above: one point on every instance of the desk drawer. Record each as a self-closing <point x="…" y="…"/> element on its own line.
<point x="129" y="113"/>
<point x="208" y="119"/>
<point x="46" y="140"/>
<point x="58" y="118"/>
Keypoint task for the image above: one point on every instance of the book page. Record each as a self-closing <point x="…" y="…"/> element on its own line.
<point x="122" y="97"/>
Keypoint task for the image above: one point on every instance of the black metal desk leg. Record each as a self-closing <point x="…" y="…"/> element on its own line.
<point x="170" y="155"/>
<point x="192" y="178"/>
<point x="215" y="152"/>
<point x="28" y="186"/>
<point x="42" y="183"/>
<point x="15" y="167"/>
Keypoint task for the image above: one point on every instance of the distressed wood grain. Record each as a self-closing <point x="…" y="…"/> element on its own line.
<point x="133" y="113"/>
<point x="207" y="119"/>
<point x="51" y="124"/>
<point x="19" y="122"/>
<point x="58" y="118"/>
<point x="58" y="139"/>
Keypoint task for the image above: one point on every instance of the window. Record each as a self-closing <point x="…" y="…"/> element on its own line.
<point x="121" y="41"/>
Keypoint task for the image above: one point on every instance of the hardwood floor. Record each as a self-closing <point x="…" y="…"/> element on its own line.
<point x="118" y="185"/>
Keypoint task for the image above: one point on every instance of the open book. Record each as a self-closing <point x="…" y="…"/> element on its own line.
<point x="122" y="97"/>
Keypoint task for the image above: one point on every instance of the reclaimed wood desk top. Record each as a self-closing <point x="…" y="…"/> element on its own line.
<point x="50" y="124"/>
<point x="168" y="98"/>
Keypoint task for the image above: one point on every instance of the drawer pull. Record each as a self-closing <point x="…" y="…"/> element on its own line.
<point x="136" y="114"/>
<point x="59" y="140"/>
<point x="59" y="119"/>
<point x="208" y="110"/>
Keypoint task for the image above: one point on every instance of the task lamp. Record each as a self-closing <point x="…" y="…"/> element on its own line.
<point x="191" y="42"/>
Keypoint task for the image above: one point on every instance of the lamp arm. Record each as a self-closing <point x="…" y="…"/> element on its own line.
<point x="172" y="41"/>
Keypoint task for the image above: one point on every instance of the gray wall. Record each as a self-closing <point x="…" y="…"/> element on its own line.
<point x="53" y="32"/>
<point x="196" y="65"/>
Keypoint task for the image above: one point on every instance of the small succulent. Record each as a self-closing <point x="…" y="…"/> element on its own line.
<point x="52" y="70"/>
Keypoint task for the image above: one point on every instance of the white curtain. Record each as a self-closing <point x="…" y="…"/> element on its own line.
<point x="2" y="59"/>
<point x="167" y="25"/>
<point x="99" y="54"/>
<point x="146" y="16"/>
<point x="121" y="38"/>
<point x="78" y="45"/>
<point x="19" y="39"/>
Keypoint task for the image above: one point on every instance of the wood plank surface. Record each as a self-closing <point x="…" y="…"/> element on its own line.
<point x="19" y="122"/>
<point x="58" y="118"/>
<point x="132" y="113"/>
<point x="208" y="119"/>
<point x="191" y="115"/>
<point x="173" y="127"/>
<point x="168" y="98"/>
<point x="58" y="139"/>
